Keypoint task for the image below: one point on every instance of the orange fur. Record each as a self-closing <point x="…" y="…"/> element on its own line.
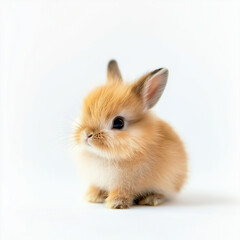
<point x="147" y="156"/>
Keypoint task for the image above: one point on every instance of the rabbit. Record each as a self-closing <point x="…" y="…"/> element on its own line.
<point x="127" y="154"/>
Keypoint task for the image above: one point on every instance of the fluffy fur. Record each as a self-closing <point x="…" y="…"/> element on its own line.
<point x="142" y="163"/>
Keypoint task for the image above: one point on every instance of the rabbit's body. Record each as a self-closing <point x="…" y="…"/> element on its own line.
<point x="160" y="169"/>
<point x="127" y="153"/>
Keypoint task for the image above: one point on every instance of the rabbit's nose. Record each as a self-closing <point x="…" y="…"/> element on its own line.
<point x="89" y="135"/>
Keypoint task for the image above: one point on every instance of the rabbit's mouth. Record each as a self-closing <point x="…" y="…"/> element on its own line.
<point x="88" y="142"/>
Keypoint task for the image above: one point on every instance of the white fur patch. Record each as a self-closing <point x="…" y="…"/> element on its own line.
<point x="98" y="171"/>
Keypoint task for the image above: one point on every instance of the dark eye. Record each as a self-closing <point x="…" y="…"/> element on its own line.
<point x="118" y="123"/>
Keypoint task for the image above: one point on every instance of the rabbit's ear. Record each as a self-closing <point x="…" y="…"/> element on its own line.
<point x="113" y="72"/>
<point x="151" y="86"/>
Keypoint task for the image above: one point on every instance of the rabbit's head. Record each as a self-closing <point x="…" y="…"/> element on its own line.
<point x="115" y="118"/>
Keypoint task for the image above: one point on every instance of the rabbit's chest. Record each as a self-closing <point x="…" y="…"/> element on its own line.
<point x="104" y="175"/>
<point x="101" y="174"/>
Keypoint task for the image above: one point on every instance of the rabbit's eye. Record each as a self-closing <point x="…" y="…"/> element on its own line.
<point x="118" y="123"/>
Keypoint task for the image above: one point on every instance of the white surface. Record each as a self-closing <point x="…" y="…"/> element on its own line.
<point x="191" y="216"/>
<point x="54" y="52"/>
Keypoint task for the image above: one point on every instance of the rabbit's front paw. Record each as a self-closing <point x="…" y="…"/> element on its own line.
<point x="95" y="195"/>
<point x="119" y="200"/>
<point x="119" y="203"/>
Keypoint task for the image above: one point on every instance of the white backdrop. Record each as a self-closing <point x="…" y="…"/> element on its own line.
<point x="54" y="52"/>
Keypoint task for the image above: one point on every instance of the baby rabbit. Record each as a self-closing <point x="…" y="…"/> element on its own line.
<point x="129" y="155"/>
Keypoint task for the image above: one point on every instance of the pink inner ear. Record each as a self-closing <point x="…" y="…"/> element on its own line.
<point x="153" y="87"/>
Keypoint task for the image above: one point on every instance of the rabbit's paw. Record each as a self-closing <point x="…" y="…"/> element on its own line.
<point x="119" y="199"/>
<point x="95" y="195"/>
<point x="118" y="203"/>
<point x="151" y="199"/>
